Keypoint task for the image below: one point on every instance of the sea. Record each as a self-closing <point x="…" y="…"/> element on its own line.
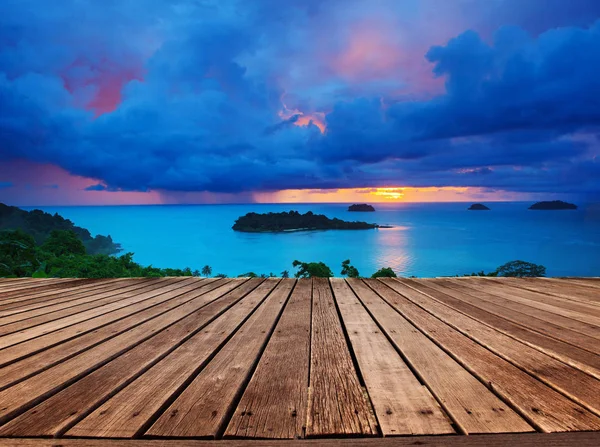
<point x="426" y="239"/>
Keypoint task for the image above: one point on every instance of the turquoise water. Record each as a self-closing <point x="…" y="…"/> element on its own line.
<point x="427" y="239"/>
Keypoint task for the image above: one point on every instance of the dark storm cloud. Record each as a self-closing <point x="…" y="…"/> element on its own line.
<point x="208" y="96"/>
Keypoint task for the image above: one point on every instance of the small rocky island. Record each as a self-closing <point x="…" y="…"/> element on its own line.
<point x="478" y="207"/>
<point x="553" y="205"/>
<point x="294" y="221"/>
<point x="361" y="207"/>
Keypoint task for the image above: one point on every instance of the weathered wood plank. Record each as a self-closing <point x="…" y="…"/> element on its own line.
<point x="130" y="411"/>
<point x="25" y="394"/>
<point x="471" y="405"/>
<point x="40" y="303"/>
<point x="336" y="402"/>
<point x="502" y="319"/>
<point x="210" y="396"/>
<point x="556" y="294"/>
<point x="58" y="413"/>
<point x="25" y="320"/>
<point x="570" y="381"/>
<point x="501" y="298"/>
<point x="402" y="405"/>
<point x="22" y="300"/>
<point x="26" y="367"/>
<point x="546" y="409"/>
<point x="580" y="439"/>
<point x="32" y="286"/>
<point x="538" y="301"/>
<point x="128" y="299"/>
<point x="275" y="401"/>
<point x="573" y="289"/>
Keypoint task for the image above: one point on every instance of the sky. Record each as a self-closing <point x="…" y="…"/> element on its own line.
<point x="233" y="101"/>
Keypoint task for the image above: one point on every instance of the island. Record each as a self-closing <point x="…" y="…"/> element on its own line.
<point x="553" y="205"/>
<point x="40" y="225"/>
<point x="361" y="207"/>
<point x="478" y="207"/>
<point x="294" y="221"/>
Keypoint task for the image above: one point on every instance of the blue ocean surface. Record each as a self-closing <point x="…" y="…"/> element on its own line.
<point x="427" y="239"/>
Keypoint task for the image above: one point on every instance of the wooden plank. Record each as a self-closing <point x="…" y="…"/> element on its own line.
<point x="538" y="301"/>
<point x="22" y="396"/>
<point x="131" y="410"/>
<point x="570" y="381"/>
<point x="275" y="401"/>
<point x="502" y="298"/>
<point x="28" y="366"/>
<point x="556" y="293"/>
<point x="472" y="407"/>
<point x="402" y="405"/>
<point x="546" y="409"/>
<point x="41" y="285"/>
<point x="21" y="299"/>
<point x="211" y="396"/>
<point x="55" y="297"/>
<point x="25" y="320"/>
<point x="495" y="317"/>
<point x="573" y="289"/>
<point x="58" y="413"/>
<point x="336" y="402"/>
<point x="128" y="299"/>
<point x="580" y="439"/>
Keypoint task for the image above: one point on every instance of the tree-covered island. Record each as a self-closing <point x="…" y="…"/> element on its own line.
<point x="294" y="221"/>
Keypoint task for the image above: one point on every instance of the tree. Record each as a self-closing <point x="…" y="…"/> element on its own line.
<point x="63" y="243"/>
<point x="521" y="269"/>
<point x="384" y="272"/>
<point x="248" y="275"/>
<point x="207" y="270"/>
<point x="220" y="275"/>
<point x="17" y="254"/>
<point x="349" y="270"/>
<point x="312" y="270"/>
<point x="285" y="274"/>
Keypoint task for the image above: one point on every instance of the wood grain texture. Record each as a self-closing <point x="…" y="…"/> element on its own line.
<point x="568" y="380"/>
<point x="505" y="321"/>
<point x="545" y="408"/>
<point x="129" y="411"/>
<point x="58" y="413"/>
<point x="275" y="401"/>
<point x="502" y="298"/>
<point x="25" y="394"/>
<point x="581" y="439"/>
<point x="585" y="291"/>
<point x="401" y="404"/>
<point x="336" y="402"/>
<point x="471" y="405"/>
<point x="211" y="395"/>
<point x="49" y="349"/>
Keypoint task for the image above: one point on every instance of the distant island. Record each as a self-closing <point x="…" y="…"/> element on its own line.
<point x="478" y="207"/>
<point x="40" y="224"/>
<point x="294" y="221"/>
<point x="361" y="207"/>
<point x="553" y="205"/>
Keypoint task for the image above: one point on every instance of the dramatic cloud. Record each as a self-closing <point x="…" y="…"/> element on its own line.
<point x="237" y="96"/>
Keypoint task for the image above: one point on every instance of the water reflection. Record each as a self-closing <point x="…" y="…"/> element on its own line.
<point x="393" y="249"/>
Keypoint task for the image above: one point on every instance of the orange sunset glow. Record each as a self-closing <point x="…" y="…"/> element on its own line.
<point x="389" y="194"/>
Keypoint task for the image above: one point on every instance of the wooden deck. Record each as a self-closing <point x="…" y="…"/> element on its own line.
<point x="180" y="361"/>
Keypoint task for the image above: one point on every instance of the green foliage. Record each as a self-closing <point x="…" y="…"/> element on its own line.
<point x="285" y="274"/>
<point x="207" y="270"/>
<point x="220" y="275"/>
<point x="40" y="225"/>
<point x="312" y="270"/>
<point x="521" y="269"/>
<point x="294" y="221"/>
<point x="248" y="275"/>
<point x="18" y="254"/>
<point x="349" y="270"/>
<point x="384" y="272"/>
<point x="482" y="273"/>
<point x="63" y="242"/>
